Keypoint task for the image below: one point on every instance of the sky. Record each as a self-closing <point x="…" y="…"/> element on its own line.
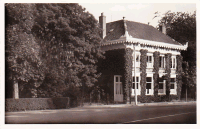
<point x="138" y="12"/>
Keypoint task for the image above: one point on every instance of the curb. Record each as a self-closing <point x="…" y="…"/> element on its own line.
<point x="165" y="103"/>
<point x="140" y="104"/>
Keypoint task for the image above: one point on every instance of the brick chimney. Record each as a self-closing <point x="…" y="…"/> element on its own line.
<point x="162" y="28"/>
<point x="102" y="22"/>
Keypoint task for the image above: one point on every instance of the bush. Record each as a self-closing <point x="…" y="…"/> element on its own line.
<point x="150" y="99"/>
<point x="23" y="104"/>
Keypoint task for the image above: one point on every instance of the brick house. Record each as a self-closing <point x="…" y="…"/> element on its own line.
<point x="139" y="55"/>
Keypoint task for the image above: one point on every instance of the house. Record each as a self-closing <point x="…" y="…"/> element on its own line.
<point x="139" y="55"/>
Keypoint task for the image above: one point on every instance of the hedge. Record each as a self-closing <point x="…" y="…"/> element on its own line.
<point x="23" y="104"/>
<point x="152" y="98"/>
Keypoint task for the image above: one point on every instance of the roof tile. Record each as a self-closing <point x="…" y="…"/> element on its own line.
<point x="114" y="30"/>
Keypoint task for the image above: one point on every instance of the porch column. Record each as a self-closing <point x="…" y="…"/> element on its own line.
<point x="156" y="72"/>
<point x="128" y="64"/>
<point x="179" y="75"/>
<point x="143" y="66"/>
<point x="168" y="71"/>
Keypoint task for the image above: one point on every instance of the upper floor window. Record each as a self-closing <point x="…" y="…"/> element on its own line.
<point x="173" y="62"/>
<point x="162" y="62"/>
<point x="149" y="61"/>
<point x="137" y="58"/>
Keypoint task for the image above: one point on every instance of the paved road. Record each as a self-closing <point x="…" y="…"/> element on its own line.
<point x="183" y="113"/>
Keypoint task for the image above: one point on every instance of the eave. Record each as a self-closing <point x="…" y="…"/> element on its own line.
<point x="129" y="39"/>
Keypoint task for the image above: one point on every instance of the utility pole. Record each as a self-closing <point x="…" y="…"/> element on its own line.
<point x="135" y="76"/>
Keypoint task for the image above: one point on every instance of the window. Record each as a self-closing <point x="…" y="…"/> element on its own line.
<point x="173" y="86"/>
<point x="161" y="89"/>
<point x="149" y="85"/>
<point x="149" y="61"/>
<point x="162" y="62"/>
<point x="173" y="62"/>
<point x="118" y="79"/>
<point x="138" y="90"/>
<point x="137" y="82"/>
<point x="137" y="63"/>
<point x="137" y="58"/>
<point x="172" y="83"/>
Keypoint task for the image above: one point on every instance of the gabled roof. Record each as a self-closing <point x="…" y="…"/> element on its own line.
<point x="117" y="29"/>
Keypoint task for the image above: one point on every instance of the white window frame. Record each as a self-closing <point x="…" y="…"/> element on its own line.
<point x="173" y="62"/>
<point x="164" y="88"/>
<point x="138" y="88"/>
<point x="173" y="91"/>
<point x="137" y="61"/>
<point x="150" y="63"/>
<point x="162" y="61"/>
<point x="150" y="90"/>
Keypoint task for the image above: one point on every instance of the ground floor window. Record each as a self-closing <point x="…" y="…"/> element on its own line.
<point x="173" y="86"/>
<point x="137" y="86"/>
<point x="161" y="89"/>
<point x="149" y="88"/>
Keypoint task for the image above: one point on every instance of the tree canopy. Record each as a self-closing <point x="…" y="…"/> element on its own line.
<point x="56" y="46"/>
<point x="181" y="26"/>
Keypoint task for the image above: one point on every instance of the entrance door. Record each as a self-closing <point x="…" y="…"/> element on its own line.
<point x="118" y="90"/>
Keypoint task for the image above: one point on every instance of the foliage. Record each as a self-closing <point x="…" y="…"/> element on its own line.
<point x="179" y="75"/>
<point x="156" y="70"/>
<point x="182" y="28"/>
<point x="23" y="61"/>
<point x="143" y="74"/>
<point x="127" y="81"/>
<point x="58" y="44"/>
<point x="66" y="30"/>
<point x="24" y="104"/>
<point x="168" y="72"/>
<point x="158" y="98"/>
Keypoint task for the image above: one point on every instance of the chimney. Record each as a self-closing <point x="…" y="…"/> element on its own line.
<point x="102" y="21"/>
<point x="162" y="28"/>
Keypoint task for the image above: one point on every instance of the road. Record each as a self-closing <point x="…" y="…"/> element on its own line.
<point x="147" y="114"/>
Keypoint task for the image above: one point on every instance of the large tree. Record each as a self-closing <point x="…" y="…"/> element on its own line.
<point x="182" y="27"/>
<point x="23" y="62"/>
<point x="69" y="47"/>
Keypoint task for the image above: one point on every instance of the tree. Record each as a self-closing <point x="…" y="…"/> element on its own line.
<point x="182" y="27"/>
<point x="70" y="41"/>
<point x="53" y="46"/>
<point x="23" y="62"/>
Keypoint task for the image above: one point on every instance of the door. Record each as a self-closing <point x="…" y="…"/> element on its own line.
<point x="118" y="90"/>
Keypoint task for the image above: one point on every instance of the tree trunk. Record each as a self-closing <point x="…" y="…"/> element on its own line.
<point x="15" y="89"/>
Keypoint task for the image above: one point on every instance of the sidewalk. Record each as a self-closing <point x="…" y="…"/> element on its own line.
<point x="139" y="104"/>
<point x="166" y="103"/>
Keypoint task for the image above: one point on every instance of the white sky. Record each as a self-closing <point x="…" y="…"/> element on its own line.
<point x="138" y="12"/>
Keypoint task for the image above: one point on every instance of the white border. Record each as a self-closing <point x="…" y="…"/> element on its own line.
<point x="83" y="126"/>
